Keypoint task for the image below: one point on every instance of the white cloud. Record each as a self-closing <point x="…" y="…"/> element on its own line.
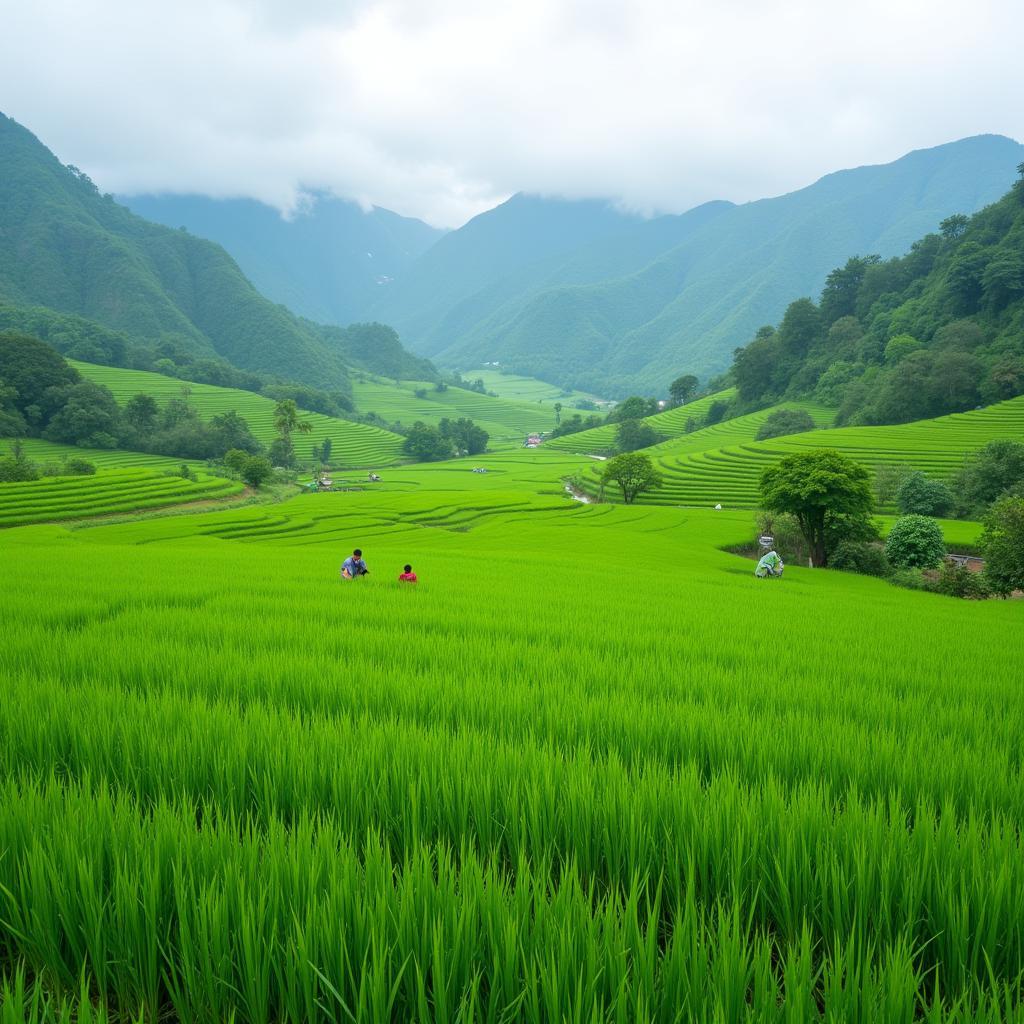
<point x="440" y="108"/>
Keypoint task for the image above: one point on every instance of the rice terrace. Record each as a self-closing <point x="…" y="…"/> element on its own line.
<point x="595" y="604"/>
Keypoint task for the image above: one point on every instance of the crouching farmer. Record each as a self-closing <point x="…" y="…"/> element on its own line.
<point x="770" y="565"/>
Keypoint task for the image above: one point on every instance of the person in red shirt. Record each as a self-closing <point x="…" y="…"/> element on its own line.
<point x="407" y="575"/>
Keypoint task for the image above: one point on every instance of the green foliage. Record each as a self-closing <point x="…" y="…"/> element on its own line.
<point x="994" y="470"/>
<point x="79" y="467"/>
<point x="915" y="542"/>
<point x="682" y="388"/>
<point x="16" y="469"/>
<point x="633" y="473"/>
<point x="933" y="332"/>
<point x="630" y="435"/>
<point x="425" y="443"/>
<point x="464" y="434"/>
<point x="785" y="421"/>
<point x="576" y="294"/>
<point x="255" y="470"/>
<point x="88" y="256"/>
<point x="1003" y="545"/>
<point x="34" y="378"/>
<point x="823" y="490"/>
<point x="958" y="581"/>
<point x="859" y="556"/>
<point x="920" y="495"/>
<point x="889" y="478"/>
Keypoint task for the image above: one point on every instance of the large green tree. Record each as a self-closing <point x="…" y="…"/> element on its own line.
<point x="634" y="473"/>
<point x="682" y="388"/>
<point x="828" y="494"/>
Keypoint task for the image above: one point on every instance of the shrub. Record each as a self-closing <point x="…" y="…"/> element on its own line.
<point x="79" y="467"/>
<point x="856" y="556"/>
<point x="915" y="542"/>
<point x="988" y="474"/>
<point x="919" y="495"/>
<point x="785" y="421"/>
<point x="14" y="470"/>
<point x="958" y="581"/>
<point x="911" y="579"/>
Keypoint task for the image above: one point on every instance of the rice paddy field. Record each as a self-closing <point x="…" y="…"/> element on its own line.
<point x="354" y="445"/>
<point x="53" y="499"/>
<point x="530" y="389"/>
<point x="507" y="421"/>
<point x="587" y="769"/>
<point x="722" y="464"/>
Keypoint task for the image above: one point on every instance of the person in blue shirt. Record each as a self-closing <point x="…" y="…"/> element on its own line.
<point x="353" y="567"/>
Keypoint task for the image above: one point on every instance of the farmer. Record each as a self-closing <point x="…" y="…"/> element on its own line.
<point x="770" y="565"/>
<point x="407" y="575"/>
<point x="353" y="567"/>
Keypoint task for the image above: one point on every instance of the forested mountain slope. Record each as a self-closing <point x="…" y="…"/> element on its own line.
<point x="326" y="262"/>
<point x="940" y="330"/>
<point x="636" y="302"/>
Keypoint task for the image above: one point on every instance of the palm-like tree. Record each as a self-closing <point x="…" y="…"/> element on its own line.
<point x="286" y="419"/>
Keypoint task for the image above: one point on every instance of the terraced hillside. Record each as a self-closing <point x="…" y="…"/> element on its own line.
<point x="672" y="424"/>
<point x="726" y="470"/>
<point x="528" y="389"/>
<point x="507" y="421"/>
<point x="49" y="453"/>
<point x="56" y="499"/>
<point x="353" y="444"/>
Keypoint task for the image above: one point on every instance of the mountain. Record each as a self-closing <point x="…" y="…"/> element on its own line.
<point x="68" y="249"/>
<point x="937" y="331"/>
<point x="583" y="295"/>
<point x="326" y="262"/>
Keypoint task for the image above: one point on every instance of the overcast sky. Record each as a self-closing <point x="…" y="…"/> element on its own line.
<point x="442" y="108"/>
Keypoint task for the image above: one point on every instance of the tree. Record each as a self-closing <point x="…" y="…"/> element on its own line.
<point x="682" y="388"/>
<point x="1002" y="543"/>
<point x="783" y="422"/>
<point x="915" y="542"/>
<point x="256" y="469"/>
<point x="465" y="435"/>
<point x="558" y="413"/>
<point x="325" y="450"/>
<point x="89" y="416"/>
<point x="988" y="474"/>
<point x="230" y="430"/>
<point x="716" y="413"/>
<point x="37" y="373"/>
<point x="920" y="495"/>
<point x="889" y="479"/>
<point x="286" y="419"/>
<point x="634" y="473"/>
<point x="236" y="459"/>
<point x="633" y="434"/>
<point x="954" y="226"/>
<point x="633" y="408"/>
<point x="427" y="444"/>
<point x="823" y="490"/>
<point x="141" y="412"/>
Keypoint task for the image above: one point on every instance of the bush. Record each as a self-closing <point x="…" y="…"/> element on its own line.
<point x="785" y="421"/>
<point x="915" y="542"/>
<point x="79" y="467"/>
<point x="14" y="470"/>
<point x="958" y="581"/>
<point x="919" y="495"/>
<point x="911" y="579"/>
<point x="856" y="556"/>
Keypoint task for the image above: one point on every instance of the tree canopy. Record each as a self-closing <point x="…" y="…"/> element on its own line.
<point x="828" y="494"/>
<point x="634" y="473"/>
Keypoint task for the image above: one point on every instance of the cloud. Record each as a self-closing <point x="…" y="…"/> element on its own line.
<point x="441" y="108"/>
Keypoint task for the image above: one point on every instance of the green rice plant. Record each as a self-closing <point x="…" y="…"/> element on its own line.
<point x="588" y="768"/>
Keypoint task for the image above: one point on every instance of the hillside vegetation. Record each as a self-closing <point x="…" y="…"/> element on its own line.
<point x="939" y="330"/>
<point x="353" y="444"/>
<point x="327" y="261"/>
<point x="638" y="302"/>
